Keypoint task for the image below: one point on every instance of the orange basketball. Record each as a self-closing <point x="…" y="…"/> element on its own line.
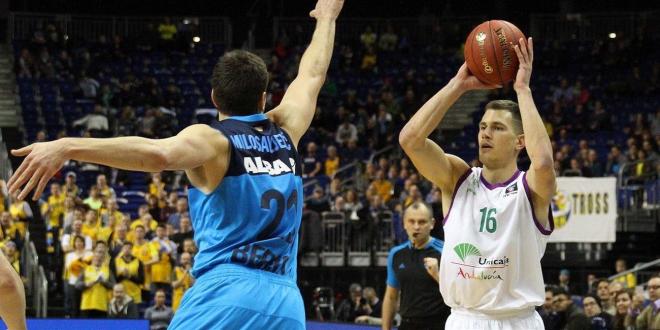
<point x="489" y="52"/>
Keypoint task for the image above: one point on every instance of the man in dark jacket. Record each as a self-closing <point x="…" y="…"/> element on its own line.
<point x="574" y="318"/>
<point x="121" y="306"/>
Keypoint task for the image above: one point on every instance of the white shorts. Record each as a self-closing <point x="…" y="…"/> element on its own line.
<point x="467" y="320"/>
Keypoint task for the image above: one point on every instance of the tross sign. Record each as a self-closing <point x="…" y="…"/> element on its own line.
<point x="584" y="210"/>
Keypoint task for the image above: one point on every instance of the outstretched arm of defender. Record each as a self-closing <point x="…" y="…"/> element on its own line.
<point x="12" y="304"/>
<point x="191" y="148"/>
<point x="541" y="174"/>
<point x="432" y="162"/>
<point x="296" y="111"/>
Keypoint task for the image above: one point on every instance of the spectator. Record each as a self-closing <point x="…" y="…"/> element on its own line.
<point x="650" y="316"/>
<point x="53" y="209"/>
<point x="190" y="247"/>
<point x="368" y="37"/>
<point x="369" y="59"/>
<point x="167" y="30"/>
<point x="70" y="187"/>
<point x="96" y="281"/>
<point x="67" y="240"/>
<point x="346" y="132"/>
<point x="547" y="312"/>
<point x="111" y="210"/>
<point x="383" y="187"/>
<point x="185" y="232"/>
<point x="375" y="305"/>
<point x="575" y="168"/>
<point x="74" y="263"/>
<point x="159" y="315"/>
<point x="331" y="161"/>
<point x="565" y="281"/>
<point x="156" y="186"/>
<point x="104" y="189"/>
<point x="614" y="289"/>
<point x="148" y="254"/>
<point x="89" y="87"/>
<point x="129" y="272"/>
<point x="311" y="162"/>
<point x="318" y="202"/>
<point x="593" y="166"/>
<point x="117" y="240"/>
<point x="350" y="308"/>
<point x="572" y="317"/>
<point x="593" y="310"/>
<point x="91" y="225"/>
<point x="161" y="271"/>
<point x="94" y="200"/>
<point x="182" y="280"/>
<point x="622" y="320"/>
<point x="11" y="253"/>
<point x="154" y="208"/>
<point x="629" y="280"/>
<point x="181" y="209"/>
<point x="388" y="40"/>
<point x="8" y="228"/>
<point x="21" y="213"/>
<point x="146" y="221"/>
<point x="121" y="306"/>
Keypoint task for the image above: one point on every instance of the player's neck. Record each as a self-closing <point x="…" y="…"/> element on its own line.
<point x="499" y="175"/>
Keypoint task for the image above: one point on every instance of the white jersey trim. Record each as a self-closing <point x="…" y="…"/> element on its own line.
<point x="551" y="222"/>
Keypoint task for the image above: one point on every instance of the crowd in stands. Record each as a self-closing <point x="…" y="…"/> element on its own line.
<point x="119" y="254"/>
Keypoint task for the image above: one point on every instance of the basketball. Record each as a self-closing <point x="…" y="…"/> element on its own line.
<point x="489" y="51"/>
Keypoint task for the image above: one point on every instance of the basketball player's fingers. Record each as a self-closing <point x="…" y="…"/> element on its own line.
<point x="521" y="59"/>
<point x="43" y="181"/>
<point x="530" y="47"/>
<point x="34" y="179"/>
<point x="21" y="175"/>
<point x="523" y="49"/>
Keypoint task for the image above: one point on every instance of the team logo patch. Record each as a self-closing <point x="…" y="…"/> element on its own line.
<point x="475" y="266"/>
<point x="511" y="190"/>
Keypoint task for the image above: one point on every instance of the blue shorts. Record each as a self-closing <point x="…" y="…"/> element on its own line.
<point x="235" y="297"/>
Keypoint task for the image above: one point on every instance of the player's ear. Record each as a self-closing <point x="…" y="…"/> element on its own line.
<point x="520" y="142"/>
<point x="262" y="102"/>
<point x="215" y="104"/>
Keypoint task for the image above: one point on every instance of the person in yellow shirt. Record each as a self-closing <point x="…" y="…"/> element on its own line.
<point x="104" y="189"/>
<point x="53" y="209"/>
<point x="21" y="212"/>
<point x="157" y="186"/>
<point x="91" y="225"/>
<point x="70" y="187"/>
<point x="129" y="271"/>
<point x="117" y="240"/>
<point x="95" y="200"/>
<point x="75" y="262"/>
<point x="331" y="162"/>
<point x="147" y="222"/>
<point x="167" y="30"/>
<point x="629" y="280"/>
<point x="161" y="272"/>
<point x="11" y="253"/>
<point x="148" y="255"/>
<point x="383" y="187"/>
<point x="182" y="280"/>
<point x="110" y="208"/>
<point x="96" y="281"/>
<point x="9" y="229"/>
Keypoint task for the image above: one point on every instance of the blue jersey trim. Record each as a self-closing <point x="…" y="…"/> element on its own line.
<point x="250" y="118"/>
<point x="391" y="276"/>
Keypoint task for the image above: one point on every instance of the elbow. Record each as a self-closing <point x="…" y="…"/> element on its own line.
<point x="8" y="284"/>
<point x="161" y="160"/>
<point x="408" y="139"/>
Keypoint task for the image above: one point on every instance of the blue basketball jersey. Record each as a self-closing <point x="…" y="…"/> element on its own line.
<point x="252" y="218"/>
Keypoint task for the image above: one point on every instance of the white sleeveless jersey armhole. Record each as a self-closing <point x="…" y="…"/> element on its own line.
<point x="493" y="247"/>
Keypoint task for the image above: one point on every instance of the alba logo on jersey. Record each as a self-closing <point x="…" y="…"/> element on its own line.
<point x="256" y="165"/>
<point x="486" y="268"/>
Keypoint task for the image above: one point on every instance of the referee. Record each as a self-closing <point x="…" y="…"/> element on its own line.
<point x="412" y="272"/>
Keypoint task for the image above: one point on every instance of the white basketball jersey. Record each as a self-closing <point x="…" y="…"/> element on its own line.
<point x="493" y="247"/>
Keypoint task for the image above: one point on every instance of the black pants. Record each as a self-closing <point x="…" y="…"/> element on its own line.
<point x="427" y="323"/>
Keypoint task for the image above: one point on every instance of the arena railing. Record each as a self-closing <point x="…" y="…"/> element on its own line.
<point x="22" y="26"/>
<point x="643" y="272"/>
<point x="640" y="196"/>
<point x="593" y="26"/>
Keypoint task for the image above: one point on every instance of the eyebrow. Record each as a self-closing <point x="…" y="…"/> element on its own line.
<point x="493" y="123"/>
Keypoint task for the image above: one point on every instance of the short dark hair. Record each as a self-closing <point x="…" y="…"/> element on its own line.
<point x="595" y="297"/>
<point x="511" y="107"/>
<point x="239" y="79"/>
<point x="557" y="291"/>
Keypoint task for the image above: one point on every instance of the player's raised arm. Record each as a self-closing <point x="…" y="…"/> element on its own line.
<point x="296" y="111"/>
<point x="12" y="304"/>
<point x="432" y="162"/>
<point x="541" y="174"/>
<point x="191" y="148"/>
